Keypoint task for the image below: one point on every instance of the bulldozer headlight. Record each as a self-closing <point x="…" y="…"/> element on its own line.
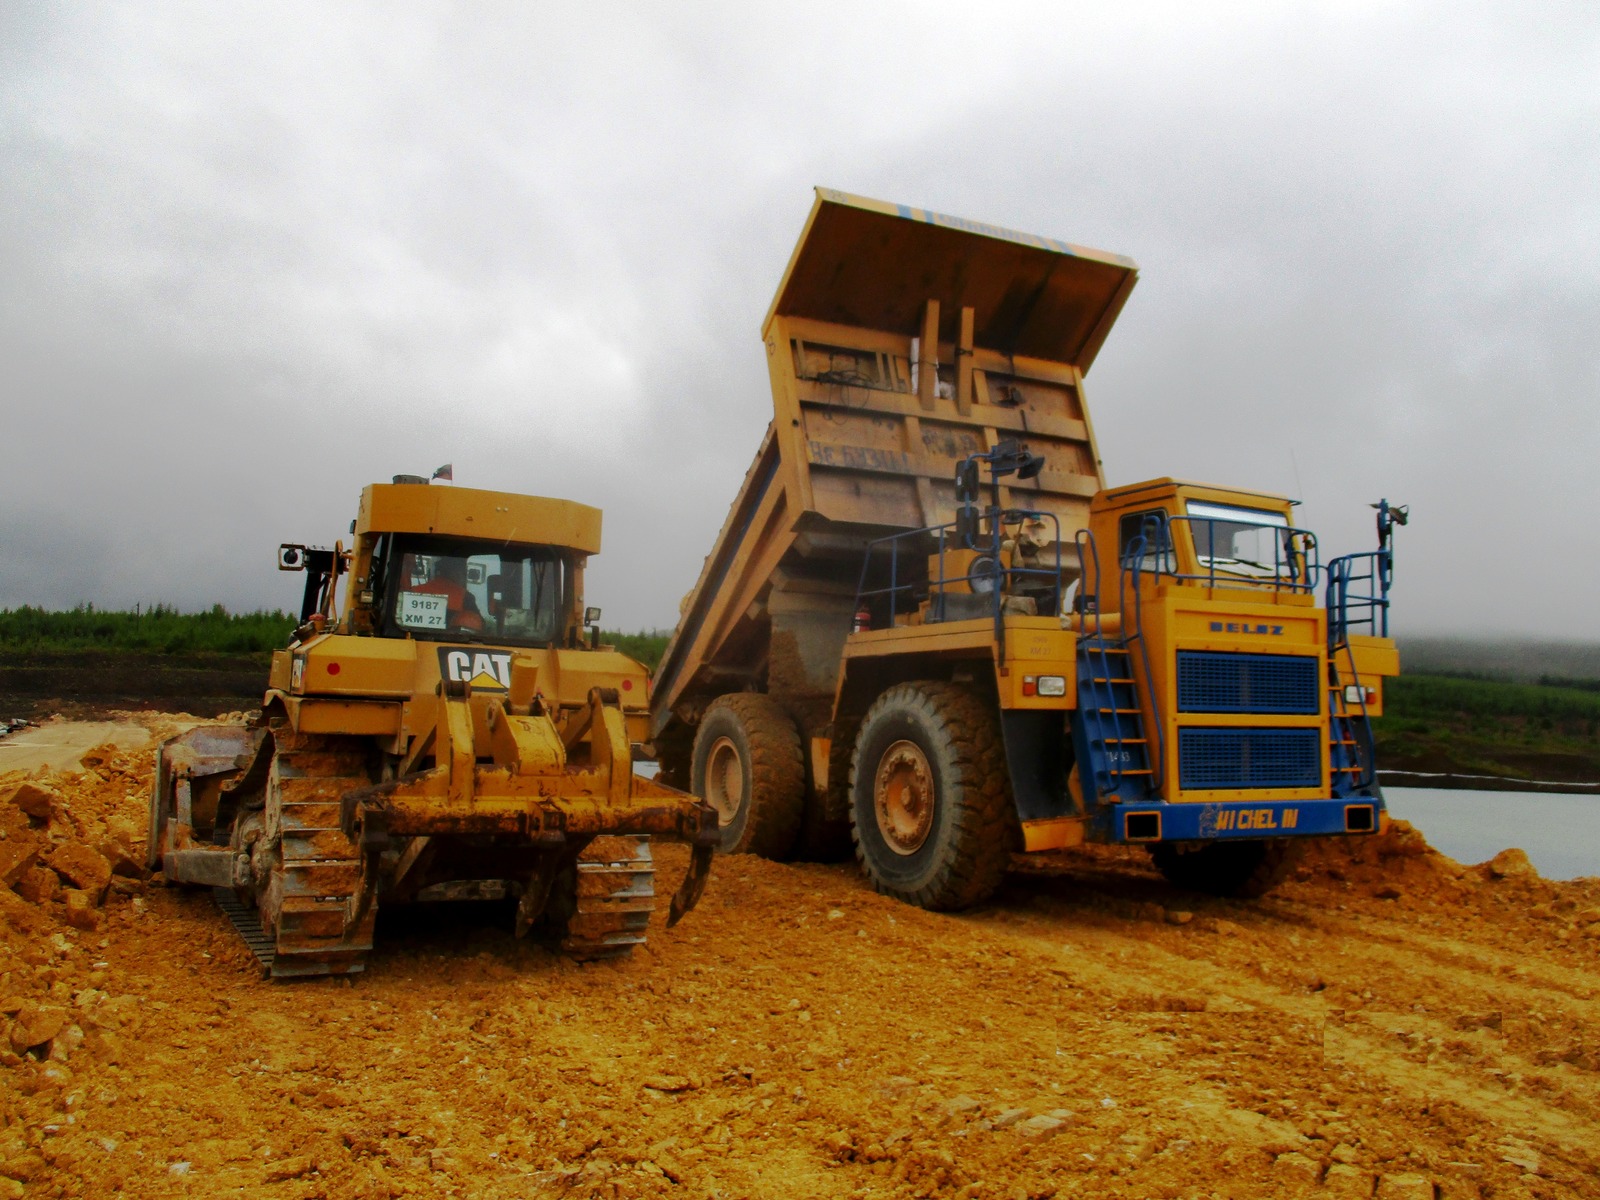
<point x="591" y="616"/>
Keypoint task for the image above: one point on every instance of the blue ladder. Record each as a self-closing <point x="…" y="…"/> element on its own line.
<point x="1108" y="732"/>
<point x="1349" y="746"/>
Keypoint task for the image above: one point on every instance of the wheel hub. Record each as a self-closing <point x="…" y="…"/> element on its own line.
<point x="724" y="780"/>
<point x="903" y="795"/>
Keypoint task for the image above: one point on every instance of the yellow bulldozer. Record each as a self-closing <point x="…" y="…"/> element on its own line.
<point x="453" y="730"/>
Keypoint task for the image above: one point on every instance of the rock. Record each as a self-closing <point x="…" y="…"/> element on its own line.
<point x="16" y="860"/>
<point x="897" y="1085"/>
<point x="961" y="1105"/>
<point x="64" y="1043"/>
<point x="1297" y="1166"/>
<point x="1010" y="1117"/>
<point x="1179" y="918"/>
<point x="1387" y="891"/>
<point x="81" y="867"/>
<point x="1467" y="1022"/>
<point x="1344" y="1180"/>
<point x="124" y="863"/>
<point x="1344" y="1152"/>
<point x="81" y="910"/>
<point x="1510" y="864"/>
<point x="1522" y="1157"/>
<point x="669" y="1083"/>
<point x="35" y="1024"/>
<point x="1041" y="1127"/>
<point x="1405" y="1187"/>
<point x="290" y="1168"/>
<point x="38" y="885"/>
<point x="34" y="800"/>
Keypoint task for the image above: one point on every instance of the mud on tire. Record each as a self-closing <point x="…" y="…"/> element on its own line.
<point x="1242" y="869"/>
<point x="954" y="854"/>
<point x="748" y="765"/>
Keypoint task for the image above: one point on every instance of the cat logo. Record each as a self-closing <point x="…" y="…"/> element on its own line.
<point x="482" y="670"/>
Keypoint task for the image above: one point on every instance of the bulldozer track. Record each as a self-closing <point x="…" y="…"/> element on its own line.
<point x="247" y="922"/>
<point x="613" y="897"/>
<point x="317" y="878"/>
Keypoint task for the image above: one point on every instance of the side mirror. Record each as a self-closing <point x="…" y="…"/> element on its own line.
<point x="967" y="526"/>
<point x="291" y="557"/>
<point x="1030" y="467"/>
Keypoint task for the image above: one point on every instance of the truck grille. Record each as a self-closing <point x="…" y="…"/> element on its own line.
<point x="1249" y="758"/>
<point x="1248" y="683"/>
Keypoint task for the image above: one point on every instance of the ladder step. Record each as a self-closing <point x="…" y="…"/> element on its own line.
<point x="1126" y="741"/>
<point x="1117" y="710"/>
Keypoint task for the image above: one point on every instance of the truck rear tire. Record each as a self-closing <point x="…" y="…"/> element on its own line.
<point x="930" y="807"/>
<point x="748" y="766"/>
<point x="1242" y="869"/>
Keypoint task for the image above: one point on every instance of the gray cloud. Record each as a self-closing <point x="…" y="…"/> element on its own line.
<point x="256" y="258"/>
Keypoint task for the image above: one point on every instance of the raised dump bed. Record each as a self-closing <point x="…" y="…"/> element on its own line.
<point x="900" y="342"/>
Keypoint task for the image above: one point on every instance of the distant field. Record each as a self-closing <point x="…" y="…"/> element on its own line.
<point x="158" y="630"/>
<point x="1490" y="727"/>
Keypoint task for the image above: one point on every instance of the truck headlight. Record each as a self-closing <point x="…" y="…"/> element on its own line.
<point x="1052" y="685"/>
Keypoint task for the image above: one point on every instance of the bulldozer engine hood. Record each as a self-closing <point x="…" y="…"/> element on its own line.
<point x="337" y="665"/>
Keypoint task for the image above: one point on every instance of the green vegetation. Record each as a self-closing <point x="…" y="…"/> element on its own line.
<point x="159" y="630"/>
<point x="164" y="630"/>
<point x="646" y="646"/>
<point x="1490" y="727"/>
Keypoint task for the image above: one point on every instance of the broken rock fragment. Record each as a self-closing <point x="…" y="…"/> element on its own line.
<point x="82" y="868"/>
<point x="36" y="1024"/>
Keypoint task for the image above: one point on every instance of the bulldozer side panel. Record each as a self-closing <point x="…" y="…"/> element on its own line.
<point x="360" y="717"/>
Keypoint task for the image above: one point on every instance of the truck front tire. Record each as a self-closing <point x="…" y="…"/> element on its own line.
<point x="748" y="766"/>
<point x="930" y="807"/>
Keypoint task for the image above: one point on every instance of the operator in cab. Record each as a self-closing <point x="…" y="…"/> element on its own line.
<point x="449" y="579"/>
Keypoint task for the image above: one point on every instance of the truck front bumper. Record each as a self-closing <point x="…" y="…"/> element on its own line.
<point x="1237" y="819"/>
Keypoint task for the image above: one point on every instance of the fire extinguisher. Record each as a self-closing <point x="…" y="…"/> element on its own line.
<point x="863" y="621"/>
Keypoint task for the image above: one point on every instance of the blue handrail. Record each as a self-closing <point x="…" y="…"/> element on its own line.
<point x="1357" y="596"/>
<point x="1005" y="578"/>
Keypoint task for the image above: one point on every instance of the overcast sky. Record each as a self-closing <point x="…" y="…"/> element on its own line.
<point x="252" y="257"/>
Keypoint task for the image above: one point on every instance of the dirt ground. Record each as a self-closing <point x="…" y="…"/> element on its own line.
<point x="1389" y="1024"/>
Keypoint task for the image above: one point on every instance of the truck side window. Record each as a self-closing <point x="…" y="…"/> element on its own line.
<point x="1152" y="526"/>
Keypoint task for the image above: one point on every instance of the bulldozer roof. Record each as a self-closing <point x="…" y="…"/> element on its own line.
<point x="475" y="513"/>
<point x="872" y="264"/>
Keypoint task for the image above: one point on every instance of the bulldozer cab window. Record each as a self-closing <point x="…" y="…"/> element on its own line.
<point x="1147" y="537"/>
<point x="1249" y="542"/>
<point x="448" y="588"/>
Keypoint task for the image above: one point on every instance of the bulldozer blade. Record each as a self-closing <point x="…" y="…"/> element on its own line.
<point x="692" y="887"/>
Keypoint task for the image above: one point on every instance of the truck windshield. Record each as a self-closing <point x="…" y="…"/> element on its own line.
<point x="450" y="589"/>
<point x="1252" y="542"/>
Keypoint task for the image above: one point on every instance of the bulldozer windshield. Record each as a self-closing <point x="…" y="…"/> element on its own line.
<point x="450" y="589"/>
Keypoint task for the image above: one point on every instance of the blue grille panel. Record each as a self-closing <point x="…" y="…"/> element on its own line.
<point x="1249" y="758"/>
<point x="1248" y="683"/>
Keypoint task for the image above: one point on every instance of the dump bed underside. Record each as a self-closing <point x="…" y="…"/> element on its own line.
<point x="899" y="342"/>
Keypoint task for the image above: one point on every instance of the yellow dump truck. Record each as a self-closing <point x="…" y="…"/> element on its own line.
<point x="452" y="731"/>
<point x="929" y="625"/>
